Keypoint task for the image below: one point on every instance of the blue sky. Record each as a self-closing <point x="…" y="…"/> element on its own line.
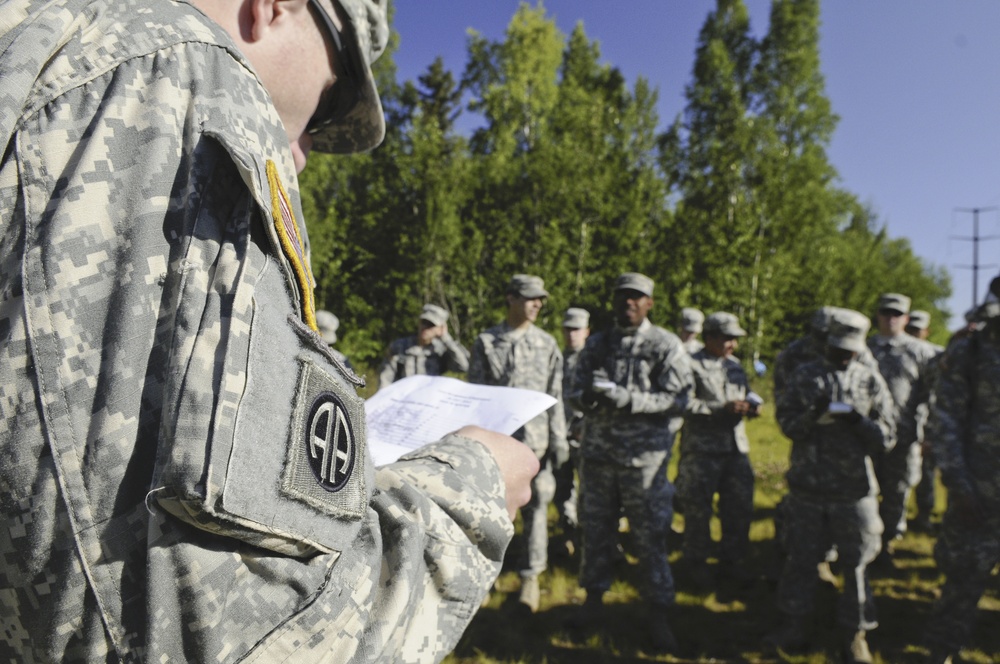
<point x="916" y="84"/>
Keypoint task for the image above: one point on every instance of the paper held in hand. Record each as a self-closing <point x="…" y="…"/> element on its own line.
<point x="418" y="410"/>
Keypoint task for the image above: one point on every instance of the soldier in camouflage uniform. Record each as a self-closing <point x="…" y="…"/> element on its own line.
<point x="839" y="415"/>
<point x="327" y="325"/>
<point x="431" y="351"/>
<point x="631" y="379"/>
<point x="964" y="430"/>
<point x="516" y="353"/>
<point x="714" y="448"/>
<point x="918" y="327"/>
<point x="688" y="329"/>
<point x="186" y="474"/>
<point x="576" y="329"/>
<point x="903" y="362"/>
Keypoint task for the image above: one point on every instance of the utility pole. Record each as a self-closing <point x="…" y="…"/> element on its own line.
<point x="976" y="239"/>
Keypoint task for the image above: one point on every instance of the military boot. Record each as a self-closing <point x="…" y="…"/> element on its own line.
<point x="856" y="648"/>
<point x="661" y="637"/>
<point x="789" y="636"/>
<point x="530" y="593"/>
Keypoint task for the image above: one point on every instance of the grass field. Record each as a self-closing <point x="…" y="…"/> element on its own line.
<point x="710" y="631"/>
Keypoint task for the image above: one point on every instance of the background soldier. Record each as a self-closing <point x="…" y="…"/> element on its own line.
<point x="965" y="436"/>
<point x="576" y="329"/>
<point x="839" y="415"/>
<point x="918" y="327"/>
<point x="327" y="325"/>
<point x="430" y="351"/>
<point x="630" y="381"/>
<point x="714" y="449"/>
<point x="515" y="353"/>
<point x="689" y="327"/>
<point x="902" y="361"/>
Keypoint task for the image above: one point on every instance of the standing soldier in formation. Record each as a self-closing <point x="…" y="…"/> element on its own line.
<point x="630" y="381"/>
<point x="902" y="361"/>
<point x="576" y="329"/>
<point x="839" y="416"/>
<point x="430" y="351"/>
<point x="688" y="329"/>
<point x="714" y="448"/>
<point x="964" y="431"/>
<point x="919" y="328"/>
<point x="805" y="349"/>
<point x="515" y="353"/>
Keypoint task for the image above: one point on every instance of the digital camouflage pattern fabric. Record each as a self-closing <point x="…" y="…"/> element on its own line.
<point x="714" y="448"/>
<point x="626" y="448"/>
<point x="186" y="475"/>
<point x="529" y="359"/>
<point x="832" y="488"/>
<point x="903" y="363"/>
<point x="406" y="357"/>
<point x="964" y="430"/>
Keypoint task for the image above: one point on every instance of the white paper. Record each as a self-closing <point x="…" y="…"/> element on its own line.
<point x="418" y="410"/>
<point x="604" y="385"/>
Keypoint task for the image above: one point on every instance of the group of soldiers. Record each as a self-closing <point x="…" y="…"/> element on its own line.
<point x="856" y="408"/>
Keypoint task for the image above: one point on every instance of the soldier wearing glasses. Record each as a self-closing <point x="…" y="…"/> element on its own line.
<point x="187" y="475"/>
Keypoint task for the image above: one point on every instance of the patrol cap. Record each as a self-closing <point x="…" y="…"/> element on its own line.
<point x="820" y="321"/>
<point x="894" y="302"/>
<point x="919" y="320"/>
<point x="691" y="320"/>
<point x="848" y="330"/>
<point x="635" y="281"/>
<point x="365" y="35"/>
<point x="725" y="324"/>
<point x="576" y="318"/>
<point x="527" y="286"/>
<point x="327" y="323"/>
<point x="434" y="314"/>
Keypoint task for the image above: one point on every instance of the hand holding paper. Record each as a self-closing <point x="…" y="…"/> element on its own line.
<point x="418" y="410"/>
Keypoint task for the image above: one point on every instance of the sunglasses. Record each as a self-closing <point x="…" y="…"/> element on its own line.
<point x="342" y="97"/>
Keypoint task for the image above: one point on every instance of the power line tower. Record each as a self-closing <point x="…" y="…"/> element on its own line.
<point x="975" y="238"/>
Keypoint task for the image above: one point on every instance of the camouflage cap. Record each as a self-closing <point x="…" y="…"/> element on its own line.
<point x="919" y="320"/>
<point x="691" y="320"/>
<point x="576" y="318"/>
<point x="527" y="285"/>
<point x="363" y="127"/>
<point x="328" y="324"/>
<point x="820" y="321"/>
<point x="848" y="330"/>
<point x="724" y="323"/>
<point x="894" y="302"/>
<point x="434" y="314"/>
<point x="635" y="281"/>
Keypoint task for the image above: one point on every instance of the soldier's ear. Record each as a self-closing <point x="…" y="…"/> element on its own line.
<point x="266" y="14"/>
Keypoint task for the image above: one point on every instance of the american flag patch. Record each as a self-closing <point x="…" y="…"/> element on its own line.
<point x="291" y="243"/>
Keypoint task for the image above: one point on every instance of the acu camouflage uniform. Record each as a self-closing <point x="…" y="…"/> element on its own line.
<point x="406" y="357"/>
<point x="714" y="448"/>
<point x="903" y="364"/>
<point x="185" y="472"/>
<point x="566" y="496"/>
<point x="531" y="360"/>
<point x="924" y="492"/>
<point x="625" y="452"/>
<point x="964" y="430"/>
<point x="832" y="486"/>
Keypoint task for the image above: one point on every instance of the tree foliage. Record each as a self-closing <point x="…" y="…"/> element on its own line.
<point x="735" y="206"/>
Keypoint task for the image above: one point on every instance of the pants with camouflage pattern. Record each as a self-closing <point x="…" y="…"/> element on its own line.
<point x="967" y="556"/>
<point x="812" y="524"/>
<point x="534" y="516"/>
<point x="704" y="475"/>
<point x="898" y="472"/>
<point x="645" y="495"/>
